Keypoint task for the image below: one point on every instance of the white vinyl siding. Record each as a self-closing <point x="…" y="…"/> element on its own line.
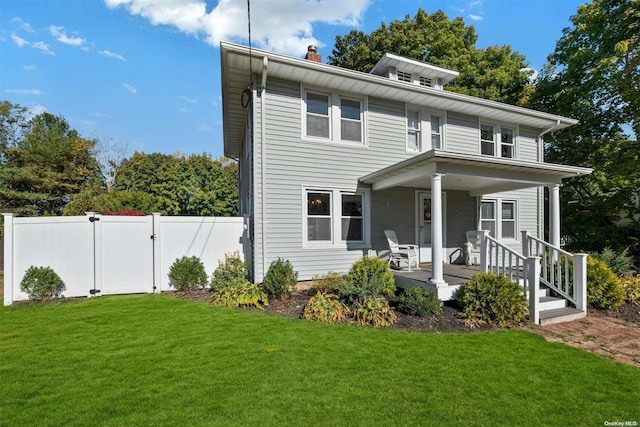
<point x="462" y="133"/>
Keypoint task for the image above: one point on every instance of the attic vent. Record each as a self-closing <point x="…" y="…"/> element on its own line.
<point x="425" y="81"/>
<point x="404" y="77"/>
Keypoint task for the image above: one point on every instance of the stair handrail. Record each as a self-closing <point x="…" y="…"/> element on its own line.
<point x="500" y="259"/>
<point x="556" y="269"/>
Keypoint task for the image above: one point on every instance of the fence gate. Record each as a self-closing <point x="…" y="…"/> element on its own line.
<point x="123" y="254"/>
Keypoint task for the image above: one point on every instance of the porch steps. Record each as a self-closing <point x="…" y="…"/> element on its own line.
<point x="559" y="315"/>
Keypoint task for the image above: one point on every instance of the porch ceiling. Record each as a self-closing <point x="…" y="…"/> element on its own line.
<point x="478" y="175"/>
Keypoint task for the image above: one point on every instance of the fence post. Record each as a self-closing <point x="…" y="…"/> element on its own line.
<point x="580" y="281"/>
<point x="8" y="258"/>
<point x="484" y="249"/>
<point x="525" y="244"/>
<point x="156" y="253"/>
<point x="533" y="280"/>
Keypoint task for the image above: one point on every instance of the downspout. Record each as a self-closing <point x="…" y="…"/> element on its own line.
<point x="263" y="88"/>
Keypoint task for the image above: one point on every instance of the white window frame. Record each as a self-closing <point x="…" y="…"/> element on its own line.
<point x="418" y="130"/>
<point x="335" y="200"/>
<point x="335" y="117"/>
<point x="498" y="221"/>
<point x="307" y="216"/>
<point x="497" y="138"/>
<point x="361" y="217"/>
<point x="425" y="142"/>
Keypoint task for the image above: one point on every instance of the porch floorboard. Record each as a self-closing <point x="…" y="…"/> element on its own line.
<point x="454" y="275"/>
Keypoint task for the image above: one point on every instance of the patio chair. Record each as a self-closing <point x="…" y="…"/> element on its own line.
<point x="401" y="254"/>
<point x="472" y="248"/>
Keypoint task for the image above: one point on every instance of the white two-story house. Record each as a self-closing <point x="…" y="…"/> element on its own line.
<point x="330" y="158"/>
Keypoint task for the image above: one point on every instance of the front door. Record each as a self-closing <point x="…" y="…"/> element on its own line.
<point x="423" y="222"/>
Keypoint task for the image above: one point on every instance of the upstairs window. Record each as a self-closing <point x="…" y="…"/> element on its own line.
<point x="350" y="120"/>
<point x="413" y="130"/>
<point x="404" y="77"/>
<point x="318" y="115"/>
<point x="487" y="141"/>
<point x="507" y="143"/>
<point x="436" y="132"/>
<point x="497" y="140"/>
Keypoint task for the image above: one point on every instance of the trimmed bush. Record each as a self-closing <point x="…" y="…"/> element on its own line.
<point x="328" y="283"/>
<point x="245" y="294"/>
<point x="604" y="288"/>
<point x="374" y="312"/>
<point x="280" y="280"/>
<point x="325" y="308"/>
<point x="230" y="272"/>
<point x="187" y="274"/>
<point x="618" y="262"/>
<point x="42" y="284"/>
<point x="487" y="298"/>
<point x="419" y="301"/>
<point x="369" y="277"/>
<point x="631" y="286"/>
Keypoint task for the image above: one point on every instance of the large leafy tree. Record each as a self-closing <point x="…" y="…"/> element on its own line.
<point x="495" y="73"/>
<point x="594" y="76"/>
<point x="43" y="164"/>
<point x="187" y="185"/>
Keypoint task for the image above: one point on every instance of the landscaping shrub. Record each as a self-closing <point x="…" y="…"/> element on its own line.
<point x="618" y="262"/>
<point x="42" y="283"/>
<point x="280" y="280"/>
<point x="487" y="297"/>
<point x="419" y="301"/>
<point x="375" y="312"/>
<point x="369" y="277"/>
<point x="232" y="271"/>
<point x="325" y="308"/>
<point x="631" y="286"/>
<point x="244" y="294"/>
<point x="604" y="288"/>
<point x="187" y="274"/>
<point x="328" y="283"/>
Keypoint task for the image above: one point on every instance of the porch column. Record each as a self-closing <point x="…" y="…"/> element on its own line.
<point x="436" y="230"/>
<point x="554" y="215"/>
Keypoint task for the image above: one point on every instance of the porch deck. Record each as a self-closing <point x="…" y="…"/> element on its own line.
<point x="454" y="275"/>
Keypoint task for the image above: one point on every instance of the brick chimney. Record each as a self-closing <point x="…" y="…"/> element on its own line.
<point x="312" y="54"/>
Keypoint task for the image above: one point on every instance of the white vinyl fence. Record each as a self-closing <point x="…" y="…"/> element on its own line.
<point x="101" y="255"/>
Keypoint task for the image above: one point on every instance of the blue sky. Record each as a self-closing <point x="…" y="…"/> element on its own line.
<point x="145" y="74"/>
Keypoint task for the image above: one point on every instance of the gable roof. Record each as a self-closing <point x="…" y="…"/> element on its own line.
<point x="236" y="78"/>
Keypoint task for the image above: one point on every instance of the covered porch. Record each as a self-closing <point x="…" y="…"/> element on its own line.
<point x="476" y="176"/>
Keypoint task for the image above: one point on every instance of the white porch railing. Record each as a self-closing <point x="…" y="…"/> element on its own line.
<point x="540" y="262"/>
<point x="563" y="272"/>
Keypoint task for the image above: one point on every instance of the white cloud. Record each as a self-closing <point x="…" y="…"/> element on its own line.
<point x="280" y="25"/>
<point x="29" y="67"/>
<point x="38" y="109"/>
<point x="19" y="41"/>
<point x="63" y="38"/>
<point x="475" y="17"/>
<point x="202" y="127"/>
<point x="24" y="91"/>
<point x="97" y="114"/>
<point x="24" y="26"/>
<point x="187" y="100"/>
<point x="43" y="47"/>
<point x="110" y="54"/>
<point x="132" y="90"/>
<point x="532" y="72"/>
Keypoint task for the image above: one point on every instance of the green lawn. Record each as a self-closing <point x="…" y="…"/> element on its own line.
<point x="158" y="360"/>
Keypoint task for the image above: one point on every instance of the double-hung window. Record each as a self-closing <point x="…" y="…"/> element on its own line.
<point x="318" y="115"/>
<point x="352" y="217"/>
<point x="350" y="120"/>
<point x="334" y="217"/>
<point x="507" y="142"/>
<point x="413" y="130"/>
<point x="497" y="140"/>
<point x="436" y="132"/>
<point x="498" y="217"/>
<point x="487" y="140"/>
<point x="319" y="218"/>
